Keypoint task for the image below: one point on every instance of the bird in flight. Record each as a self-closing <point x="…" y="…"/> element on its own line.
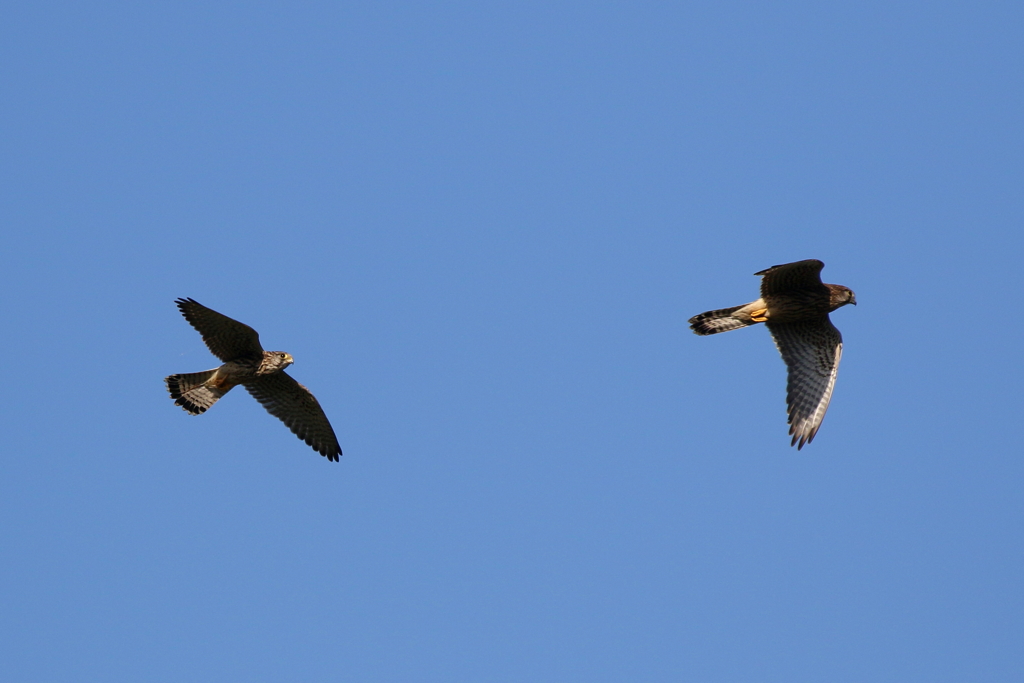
<point x="260" y="372"/>
<point x="794" y="305"/>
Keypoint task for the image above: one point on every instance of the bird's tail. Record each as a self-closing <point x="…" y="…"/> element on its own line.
<point x="722" y="320"/>
<point x="194" y="392"/>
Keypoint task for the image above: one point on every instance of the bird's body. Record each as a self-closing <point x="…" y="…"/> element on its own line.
<point x="794" y="304"/>
<point x="260" y="372"/>
<point x="197" y="391"/>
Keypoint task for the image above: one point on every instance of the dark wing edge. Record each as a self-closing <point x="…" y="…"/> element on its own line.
<point x="226" y="338"/>
<point x="790" y="276"/>
<point x="293" y="404"/>
<point x="812" y="351"/>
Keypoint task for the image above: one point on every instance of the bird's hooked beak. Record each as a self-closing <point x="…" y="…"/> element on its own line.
<point x="288" y="358"/>
<point x="853" y="299"/>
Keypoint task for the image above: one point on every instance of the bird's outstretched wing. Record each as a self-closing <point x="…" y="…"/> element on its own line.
<point x="791" y="276"/>
<point x="812" y="350"/>
<point x="293" y="404"/>
<point x="226" y="338"/>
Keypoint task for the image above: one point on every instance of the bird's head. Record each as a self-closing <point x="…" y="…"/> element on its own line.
<point x="840" y="296"/>
<point x="275" y="361"/>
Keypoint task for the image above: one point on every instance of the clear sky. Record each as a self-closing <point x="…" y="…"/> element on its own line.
<point x="480" y="229"/>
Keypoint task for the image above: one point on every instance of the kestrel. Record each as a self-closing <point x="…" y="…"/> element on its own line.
<point x="260" y="372"/>
<point x="794" y="304"/>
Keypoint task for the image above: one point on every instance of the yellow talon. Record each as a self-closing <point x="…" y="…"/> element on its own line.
<point x="759" y="316"/>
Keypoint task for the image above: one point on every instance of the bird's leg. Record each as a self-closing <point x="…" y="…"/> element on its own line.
<point x="760" y="315"/>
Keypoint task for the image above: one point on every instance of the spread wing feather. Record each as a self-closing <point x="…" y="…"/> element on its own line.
<point x="293" y="404"/>
<point x="226" y="338"/>
<point x="790" y="276"/>
<point x="811" y="350"/>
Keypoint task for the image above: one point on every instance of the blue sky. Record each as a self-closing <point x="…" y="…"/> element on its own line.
<point x="480" y="228"/>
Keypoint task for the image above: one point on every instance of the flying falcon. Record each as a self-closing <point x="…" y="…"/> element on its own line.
<point x="260" y="372"/>
<point x="794" y="304"/>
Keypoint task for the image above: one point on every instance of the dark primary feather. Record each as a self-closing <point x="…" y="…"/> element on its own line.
<point x="293" y="404"/>
<point x="812" y="350"/>
<point x="790" y="276"/>
<point x="226" y="338"/>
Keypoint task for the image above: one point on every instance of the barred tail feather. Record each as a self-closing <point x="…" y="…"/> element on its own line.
<point x="722" y="320"/>
<point x="192" y="393"/>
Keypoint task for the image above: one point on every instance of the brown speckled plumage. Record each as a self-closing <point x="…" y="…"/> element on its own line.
<point x="260" y="372"/>
<point x="794" y="305"/>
